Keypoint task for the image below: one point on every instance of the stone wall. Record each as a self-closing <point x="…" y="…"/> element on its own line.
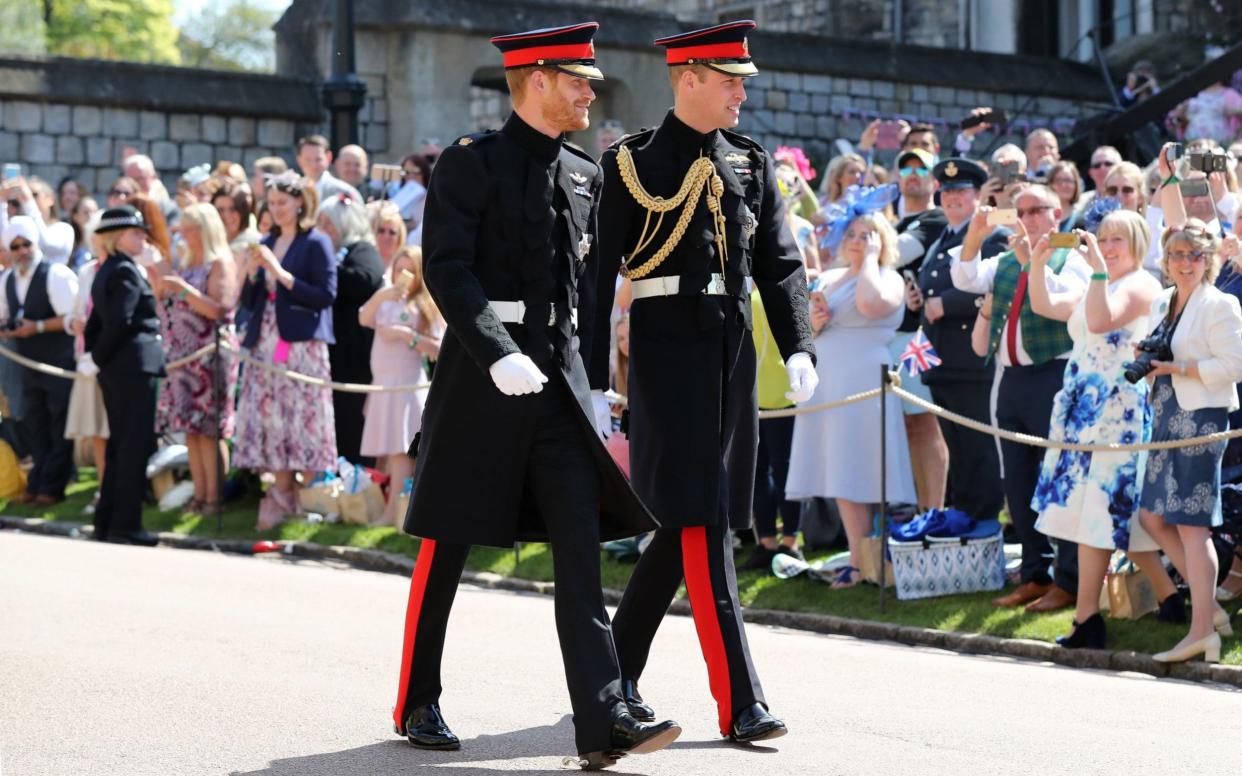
<point x="66" y="117"/>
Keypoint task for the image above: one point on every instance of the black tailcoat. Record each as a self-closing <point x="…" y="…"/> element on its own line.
<point x="510" y="216"/>
<point x="693" y="421"/>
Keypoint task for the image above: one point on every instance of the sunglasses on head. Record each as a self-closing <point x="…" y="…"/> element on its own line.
<point x="1112" y="190"/>
<point x="906" y="172"/>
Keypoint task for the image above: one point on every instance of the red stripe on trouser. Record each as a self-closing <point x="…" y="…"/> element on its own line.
<point x="418" y="586"/>
<point x="703" y="605"/>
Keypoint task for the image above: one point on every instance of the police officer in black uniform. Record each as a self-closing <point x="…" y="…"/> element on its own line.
<point x="962" y="383"/>
<point x="692" y="256"/>
<point x="509" y="449"/>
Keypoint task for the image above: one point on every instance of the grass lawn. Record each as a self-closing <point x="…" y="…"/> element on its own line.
<point x="966" y="613"/>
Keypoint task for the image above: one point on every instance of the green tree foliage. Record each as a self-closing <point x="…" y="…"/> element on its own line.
<point x="21" y="27"/>
<point x="234" y="35"/>
<point x="133" y="30"/>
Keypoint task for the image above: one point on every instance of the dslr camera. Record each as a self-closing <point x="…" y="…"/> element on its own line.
<point x="1157" y="347"/>
<point x="1206" y="161"/>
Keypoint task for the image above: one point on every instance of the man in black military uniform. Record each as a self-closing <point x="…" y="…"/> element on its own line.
<point x="692" y="257"/>
<point x="962" y="383"/>
<point x="509" y="450"/>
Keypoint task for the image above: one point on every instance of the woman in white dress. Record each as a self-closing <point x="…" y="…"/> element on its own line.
<point x="1092" y="497"/>
<point x="856" y="308"/>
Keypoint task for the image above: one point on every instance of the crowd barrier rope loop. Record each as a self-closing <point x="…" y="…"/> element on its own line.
<point x="894" y="386"/>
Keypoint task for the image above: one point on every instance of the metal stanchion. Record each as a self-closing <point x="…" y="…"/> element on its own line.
<point x="883" y="475"/>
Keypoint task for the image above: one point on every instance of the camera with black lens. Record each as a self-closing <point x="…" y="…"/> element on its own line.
<point x="1206" y="161"/>
<point x="1157" y="347"/>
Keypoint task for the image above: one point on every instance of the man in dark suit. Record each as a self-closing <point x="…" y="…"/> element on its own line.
<point x="122" y="335"/>
<point x="693" y="422"/>
<point x="36" y="296"/>
<point x="510" y="226"/>
<point x="963" y="381"/>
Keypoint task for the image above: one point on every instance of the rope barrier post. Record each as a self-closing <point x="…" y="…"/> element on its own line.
<point x="884" y="378"/>
<point x="216" y="379"/>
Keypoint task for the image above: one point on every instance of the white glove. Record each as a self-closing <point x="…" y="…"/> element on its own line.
<point x="603" y="414"/>
<point x="86" y="365"/>
<point x="517" y="375"/>
<point x="802" y="378"/>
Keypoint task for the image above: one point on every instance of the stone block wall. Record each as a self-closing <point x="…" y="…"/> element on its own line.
<point x="56" y="120"/>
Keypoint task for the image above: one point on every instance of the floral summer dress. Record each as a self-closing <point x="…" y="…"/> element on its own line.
<point x="1093" y="498"/>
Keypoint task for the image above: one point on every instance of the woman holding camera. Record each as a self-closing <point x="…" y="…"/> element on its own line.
<point x="1192" y="395"/>
<point x="1091" y="497"/>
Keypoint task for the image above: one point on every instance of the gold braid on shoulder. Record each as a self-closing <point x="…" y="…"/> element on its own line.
<point x="701" y="175"/>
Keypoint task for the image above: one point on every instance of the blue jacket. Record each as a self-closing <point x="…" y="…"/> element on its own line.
<point x="303" y="312"/>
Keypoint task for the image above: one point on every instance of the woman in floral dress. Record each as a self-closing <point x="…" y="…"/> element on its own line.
<point x="194" y="300"/>
<point x="286" y="425"/>
<point x="1092" y="497"/>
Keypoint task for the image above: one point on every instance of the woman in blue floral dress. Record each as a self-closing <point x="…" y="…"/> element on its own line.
<point x="1092" y="497"/>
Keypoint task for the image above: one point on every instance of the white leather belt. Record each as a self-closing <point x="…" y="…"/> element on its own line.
<point x="671" y="285"/>
<point x="515" y="312"/>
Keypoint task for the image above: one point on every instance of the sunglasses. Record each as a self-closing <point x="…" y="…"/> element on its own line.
<point x="1030" y="211"/>
<point x="1101" y="165"/>
<point x="1194" y="257"/>
<point x="906" y="172"/>
<point x="120" y="193"/>
<point x="1112" y="190"/>
<point x="19" y="245"/>
<point x="388" y="230"/>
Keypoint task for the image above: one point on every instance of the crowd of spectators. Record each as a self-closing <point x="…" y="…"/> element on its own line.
<point x="316" y="269"/>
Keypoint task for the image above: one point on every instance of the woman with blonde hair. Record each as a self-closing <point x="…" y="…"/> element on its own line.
<point x="843" y="171"/>
<point x="856" y="308"/>
<point x="1192" y="395"/>
<point x="390" y="233"/>
<point x="1091" y="498"/>
<point x="197" y="398"/>
<point x="408" y="329"/>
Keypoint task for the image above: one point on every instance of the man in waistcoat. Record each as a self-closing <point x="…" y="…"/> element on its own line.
<point x="692" y="214"/>
<point x="1032" y="352"/>
<point x="963" y="381"/>
<point x="36" y="297"/>
<point x="509" y="449"/>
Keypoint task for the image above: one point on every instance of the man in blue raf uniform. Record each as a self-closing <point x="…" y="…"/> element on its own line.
<point x="509" y="450"/>
<point x="963" y="381"/>
<point x="693" y="216"/>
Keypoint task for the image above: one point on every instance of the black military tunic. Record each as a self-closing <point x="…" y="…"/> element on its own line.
<point x="493" y="203"/>
<point x="962" y="382"/>
<point x="692" y="419"/>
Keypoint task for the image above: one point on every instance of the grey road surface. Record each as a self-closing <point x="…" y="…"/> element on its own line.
<point x="120" y="660"/>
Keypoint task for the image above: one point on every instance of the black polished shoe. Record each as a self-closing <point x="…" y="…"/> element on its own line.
<point x="629" y="736"/>
<point x="754" y="723"/>
<point x="1088" y="634"/>
<point x="1173" y="609"/>
<point x="639" y="709"/>
<point x="426" y="729"/>
<point x="139" y="538"/>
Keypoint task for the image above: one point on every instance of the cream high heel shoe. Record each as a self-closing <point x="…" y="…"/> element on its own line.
<point x="1223" y="595"/>
<point x="1208" y="647"/>
<point x="1220" y="621"/>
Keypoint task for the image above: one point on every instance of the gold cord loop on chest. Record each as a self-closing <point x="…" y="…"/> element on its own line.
<point x="701" y="175"/>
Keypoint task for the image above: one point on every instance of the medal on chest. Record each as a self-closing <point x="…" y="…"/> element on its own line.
<point x="580" y="182"/>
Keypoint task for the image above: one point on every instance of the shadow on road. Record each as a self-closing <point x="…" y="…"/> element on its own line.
<point x="397" y="757"/>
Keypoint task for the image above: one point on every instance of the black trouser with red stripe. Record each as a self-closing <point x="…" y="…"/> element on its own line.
<point x="703" y="556"/>
<point x="563" y="482"/>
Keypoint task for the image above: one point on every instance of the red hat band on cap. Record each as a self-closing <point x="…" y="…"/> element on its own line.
<point x="689" y="54"/>
<point x="537" y="55"/>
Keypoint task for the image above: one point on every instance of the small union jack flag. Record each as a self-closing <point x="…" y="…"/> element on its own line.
<point x="919" y="355"/>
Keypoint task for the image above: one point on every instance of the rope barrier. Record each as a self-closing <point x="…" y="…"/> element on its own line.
<point x="895" y="387"/>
